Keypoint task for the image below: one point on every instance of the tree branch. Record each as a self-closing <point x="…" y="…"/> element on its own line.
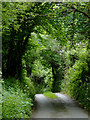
<point x="81" y="12"/>
<point x="73" y="29"/>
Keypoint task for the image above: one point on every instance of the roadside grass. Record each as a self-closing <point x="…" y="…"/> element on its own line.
<point x="49" y="94"/>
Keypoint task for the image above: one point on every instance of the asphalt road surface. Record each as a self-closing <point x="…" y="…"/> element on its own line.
<point x="61" y="107"/>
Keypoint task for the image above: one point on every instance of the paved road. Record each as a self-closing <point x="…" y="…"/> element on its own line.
<point x="61" y="107"/>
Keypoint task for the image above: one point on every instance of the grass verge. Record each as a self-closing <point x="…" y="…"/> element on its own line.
<point x="49" y="94"/>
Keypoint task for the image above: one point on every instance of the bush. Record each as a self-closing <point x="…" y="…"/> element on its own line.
<point x="1" y="81"/>
<point x="11" y="82"/>
<point x="16" y="104"/>
<point x="27" y="85"/>
<point x="29" y="88"/>
<point x="76" y="81"/>
<point x="42" y="77"/>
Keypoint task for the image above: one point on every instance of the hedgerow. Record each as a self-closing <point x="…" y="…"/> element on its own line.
<point x="76" y="80"/>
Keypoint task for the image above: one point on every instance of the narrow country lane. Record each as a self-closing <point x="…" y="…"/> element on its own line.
<point x="61" y="107"/>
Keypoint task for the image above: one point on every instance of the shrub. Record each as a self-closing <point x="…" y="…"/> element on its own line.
<point x="16" y="104"/>
<point x="76" y="80"/>
<point x="27" y="85"/>
<point x="1" y="81"/>
<point x="12" y="83"/>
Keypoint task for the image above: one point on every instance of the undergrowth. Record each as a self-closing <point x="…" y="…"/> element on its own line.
<point x="16" y="102"/>
<point x="76" y="80"/>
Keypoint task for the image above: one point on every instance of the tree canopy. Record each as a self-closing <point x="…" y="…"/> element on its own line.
<point x="45" y="45"/>
<point x="64" y="22"/>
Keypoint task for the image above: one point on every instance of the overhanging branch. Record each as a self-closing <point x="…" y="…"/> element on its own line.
<point x="76" y="10"/>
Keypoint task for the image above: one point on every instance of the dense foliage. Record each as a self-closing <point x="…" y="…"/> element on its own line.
<point x="45" y="48"/>
<point x="16" y="102"/>
<point x="76" y="82"/>
<point x="0" y="95"/>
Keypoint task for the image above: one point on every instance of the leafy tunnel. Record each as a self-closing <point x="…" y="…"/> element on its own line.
<point x="45" y="47"/>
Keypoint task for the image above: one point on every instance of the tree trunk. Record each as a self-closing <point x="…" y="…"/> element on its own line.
<point x="54" y="77"/>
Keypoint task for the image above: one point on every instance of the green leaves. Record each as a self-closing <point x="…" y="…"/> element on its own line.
<point x="77" y="78"/>
<point x="37" y="39"/>
<point x="16" y="104"/>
